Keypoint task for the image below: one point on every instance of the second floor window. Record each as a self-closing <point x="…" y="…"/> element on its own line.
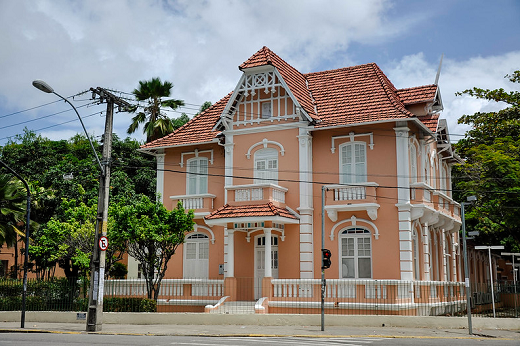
<point x="197" y="179"/>
<point x="353" y="163"/>
<point x="266" y="166"/>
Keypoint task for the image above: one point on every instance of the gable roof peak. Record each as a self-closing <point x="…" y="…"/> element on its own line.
<point x="263" y="57"/>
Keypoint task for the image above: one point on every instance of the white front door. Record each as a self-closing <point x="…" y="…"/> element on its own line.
<point x="260" y="262"/>
<point x="196" y="256"/>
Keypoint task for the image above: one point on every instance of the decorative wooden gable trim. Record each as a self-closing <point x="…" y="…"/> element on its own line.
<point x="246" y="98"/>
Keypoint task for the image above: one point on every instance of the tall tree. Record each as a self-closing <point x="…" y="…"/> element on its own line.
<point x="153" y="234"/>
<point x="156" y="123"/>
<point x="12" y="208"/>
<point x="491" y="150"/>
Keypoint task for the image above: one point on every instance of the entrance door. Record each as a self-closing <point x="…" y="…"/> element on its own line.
<point x="260" y="262"/>
<point x="196" y="256"/>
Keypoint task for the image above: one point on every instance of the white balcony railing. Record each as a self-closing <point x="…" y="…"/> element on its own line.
<point x="202" y="201"/>
<point x="258" y="192"/>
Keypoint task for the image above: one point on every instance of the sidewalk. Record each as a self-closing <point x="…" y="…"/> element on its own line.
<point x="253" y="330"/>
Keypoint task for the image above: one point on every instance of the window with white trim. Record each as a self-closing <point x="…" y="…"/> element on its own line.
<point x="197" y="177"/>
<point x="353" y="163"/>
<point x="266" y="166"/>
<point x="266" y="110"/>
<point x="413" y="163"/>
<point x="356" y="253"/>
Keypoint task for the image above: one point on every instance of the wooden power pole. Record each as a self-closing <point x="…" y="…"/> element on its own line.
<point x="97" y="264"/>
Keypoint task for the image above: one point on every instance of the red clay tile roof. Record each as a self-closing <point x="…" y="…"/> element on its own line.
<point x="197" y="130"/>
<point x="259" y="210"/>
<point x="294" y="79"/>
<point x="425" y="93"/>
<point x="349" y="95"/>
<point x="430" y="121"/>
<point x="355" y="95"/>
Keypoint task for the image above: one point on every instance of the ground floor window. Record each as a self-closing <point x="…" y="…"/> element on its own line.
<point x="356" y="253"/>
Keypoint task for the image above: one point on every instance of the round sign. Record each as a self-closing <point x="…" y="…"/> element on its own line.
<point x="103" y="243"/>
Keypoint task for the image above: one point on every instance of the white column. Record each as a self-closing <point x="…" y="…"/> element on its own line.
<point x="445" y="261"/>
<point x="230" y="254"/>
<point x="160" y="175"/>
<point x="267" y="256"/>
<point x="403" y="202"/>
<point x="228" y="161"/>
<point x="426" y="252"/>
<point x="306" y="206"/>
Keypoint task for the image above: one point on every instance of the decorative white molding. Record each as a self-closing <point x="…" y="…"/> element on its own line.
<point x="196" y="153"/>
<point x="212" y="239"/>
<point x="370" y="208"/>
<point x="354" y="221"/>
<point x="351" y="136"/>
<point x="265" y="142"/>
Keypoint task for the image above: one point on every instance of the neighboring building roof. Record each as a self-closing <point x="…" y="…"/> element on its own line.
<point x="294" y="79"/>
<point x="430" y="121"/>
<point x="420" y="94"/>
<point x="197" y="130"/>
<point x="260" y="210"/>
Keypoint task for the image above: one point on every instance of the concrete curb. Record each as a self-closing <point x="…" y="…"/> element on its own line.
<point x="255" y="335"/>
<point x="371" y="321"/>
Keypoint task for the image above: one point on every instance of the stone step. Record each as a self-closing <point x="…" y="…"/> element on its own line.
<point x="239" y="308"/>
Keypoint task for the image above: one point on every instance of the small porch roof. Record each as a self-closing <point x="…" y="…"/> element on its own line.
<point x="251" y="213"/>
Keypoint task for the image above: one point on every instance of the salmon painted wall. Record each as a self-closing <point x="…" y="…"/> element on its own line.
<point x="381" y="169"/>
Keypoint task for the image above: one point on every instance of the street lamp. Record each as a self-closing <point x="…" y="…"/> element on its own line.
<point x="27" y="231"/>
<point x="489" y="248"/>
<point x="41" y="85"/>
<point x="97" y="267"/>
<point x="466" y="270"/>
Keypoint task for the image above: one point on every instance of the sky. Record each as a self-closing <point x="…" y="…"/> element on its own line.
<point x="74" y="45"/>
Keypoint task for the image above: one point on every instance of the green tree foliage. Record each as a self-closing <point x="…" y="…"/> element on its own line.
<point x="491" y="150"/>
<point x="12" y="208"/>
<point x="44" y="163"/>
<point x="156" y="123"/>
<point x="153" y="234"/>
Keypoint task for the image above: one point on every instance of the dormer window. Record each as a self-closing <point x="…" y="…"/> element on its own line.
<point x="266" y="110"/>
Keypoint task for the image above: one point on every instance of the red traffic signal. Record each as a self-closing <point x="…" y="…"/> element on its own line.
<point x="325" y="260"/>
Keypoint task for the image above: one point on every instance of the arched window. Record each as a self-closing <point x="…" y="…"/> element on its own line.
<point x="356" y="253"/>
<point x="197" y="177"/>
<point x="353" y="163"/>
<point x="196" y="256"/>
<point x="416" y="254"/>
<point x="266" y="166"/>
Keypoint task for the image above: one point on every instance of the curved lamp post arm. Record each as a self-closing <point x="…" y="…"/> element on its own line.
<point x="41" y="85"/>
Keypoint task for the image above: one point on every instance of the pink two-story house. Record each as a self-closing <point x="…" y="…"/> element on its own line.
<point x="286" y="151"/>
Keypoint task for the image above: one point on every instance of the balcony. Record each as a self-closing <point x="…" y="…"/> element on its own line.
<point x="258" y="193"/>
<point x="352" y="197"/>
<point x="202" y="204"/>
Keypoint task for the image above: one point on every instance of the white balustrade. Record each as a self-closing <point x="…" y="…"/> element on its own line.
<point x="349" y="193"/>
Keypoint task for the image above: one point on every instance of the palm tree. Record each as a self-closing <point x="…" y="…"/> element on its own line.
<point x="156" y="123"/>
<point x="12" y="208"/>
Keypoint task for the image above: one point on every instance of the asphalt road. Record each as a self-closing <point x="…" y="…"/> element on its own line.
<point x="54" y="339"/>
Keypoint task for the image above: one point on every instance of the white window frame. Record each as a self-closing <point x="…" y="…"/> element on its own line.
<point x="266" y="110"/>
<point x="413" y="163"/>
<point x="355" y="233"/>
<point x="198" y="176"/>
<point x="199" y="244"/>
<point x="358" y="168"/>
<point x="266" y="166"/>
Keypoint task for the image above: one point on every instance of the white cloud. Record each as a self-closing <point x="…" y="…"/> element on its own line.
<point x="198" y="45"/>
<point x="457" y="76"/>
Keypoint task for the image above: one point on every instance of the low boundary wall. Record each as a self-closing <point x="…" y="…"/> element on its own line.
<point x="155" y="318"/>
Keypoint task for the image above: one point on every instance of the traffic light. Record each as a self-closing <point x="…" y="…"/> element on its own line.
<point x="325" y="261"/>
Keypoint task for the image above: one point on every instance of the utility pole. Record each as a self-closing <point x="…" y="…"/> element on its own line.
<point x="97" y="263"/>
